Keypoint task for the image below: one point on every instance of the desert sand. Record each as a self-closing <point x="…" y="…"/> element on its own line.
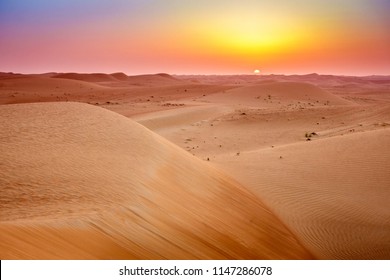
<point x="110" y="166"/>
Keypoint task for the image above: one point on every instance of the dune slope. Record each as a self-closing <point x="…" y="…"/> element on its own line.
<point x="333" y="193"/>
<point x="81" y="182"/>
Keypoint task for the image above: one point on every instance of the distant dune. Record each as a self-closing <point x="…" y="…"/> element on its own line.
<point x="8" y="75"/>
<point x="35" y="88"/>
<point x="78" y="181"/>
<point x="154" y="79"/>
<point x="120" y="76"/>
<point x="95" y="77"/>
<point x="149" y="79"/>
<point x="38" y="83"/>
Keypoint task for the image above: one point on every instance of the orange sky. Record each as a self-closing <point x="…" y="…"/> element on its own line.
<point x="348" y="37"/>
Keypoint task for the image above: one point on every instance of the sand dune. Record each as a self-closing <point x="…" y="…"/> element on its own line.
<point x="154" y="80"/>
<point x="95" y="77"/>
<point x="120" y="76"/>
<point x="139" y="80"/>
<point x="38" y="83"/>
<point x="9" y="75"/>
<point x="333" y="193"/>
<point x="78" y="181"/>
<point x="327" y="194"/>
<point x="27" y="89"/>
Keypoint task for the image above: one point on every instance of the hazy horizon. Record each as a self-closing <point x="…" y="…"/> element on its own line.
<point x="198" y="74"/>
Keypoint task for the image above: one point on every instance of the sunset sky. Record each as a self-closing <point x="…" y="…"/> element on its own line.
<point x="350" y="37"/>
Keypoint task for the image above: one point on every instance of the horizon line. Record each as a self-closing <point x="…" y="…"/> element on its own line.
<point x="200" y="74"/>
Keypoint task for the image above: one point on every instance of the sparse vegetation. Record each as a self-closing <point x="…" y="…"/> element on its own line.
<point x="173" y="104"/>
<point x="308" y="135"/>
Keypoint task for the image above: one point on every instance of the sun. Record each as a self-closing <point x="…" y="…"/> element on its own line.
<point x="257" y="71"/>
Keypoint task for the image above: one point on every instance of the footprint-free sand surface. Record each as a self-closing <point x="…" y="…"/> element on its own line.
<point x="107" y="166"/>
